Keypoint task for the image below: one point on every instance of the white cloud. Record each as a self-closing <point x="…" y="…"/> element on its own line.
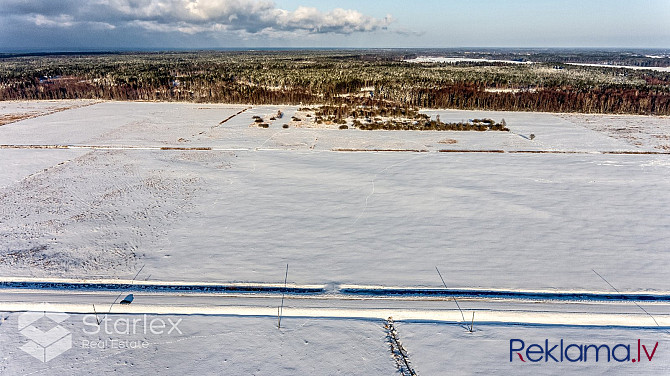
<point x="195" y="16"/>
<point x="339" y="20"/>
<point x="51" y="21"/>
<point x="67" y="21"/>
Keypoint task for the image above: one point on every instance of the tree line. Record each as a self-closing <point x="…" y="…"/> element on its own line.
<point x="318" y="77"/>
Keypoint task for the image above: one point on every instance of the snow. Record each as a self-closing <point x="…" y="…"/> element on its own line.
<point x="209" y="345"/>
<point x="436" y="348"/>
<point x="234" y="344"/>
<point x="438" y="59"/>
<point x="332" y="307"/>
<point x="554" y="132"/>
<point x="635" y="130"/>
<point x="349" y="224"/>
<point x="451" y="60"/>
<point x="658" y="69"/>
<point x="16" y="166"/>
<point x="266" y="197"/>
<point x="118" y="123"/>
<point x="11" y="111"/>
<point x="109" y="189"/>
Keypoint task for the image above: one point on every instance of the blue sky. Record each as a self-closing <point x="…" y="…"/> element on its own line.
<point x="164" y="24"/>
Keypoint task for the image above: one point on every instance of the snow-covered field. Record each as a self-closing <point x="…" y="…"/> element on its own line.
<point x="451" y="60"/>
<point x="206" y="345"/>
<point x="262" y="198"/>
<point x="12" y="111"/>
<point x="198" y="193"/>
<point x="440" y="59"/>
<point x="241" y="345"/>
<point x="437" y="349"/>
<point x="636" y="130"/>
<point x="658" y="69"/>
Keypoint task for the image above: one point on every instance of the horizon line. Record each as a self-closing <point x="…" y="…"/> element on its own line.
<point x="48" y="51"/>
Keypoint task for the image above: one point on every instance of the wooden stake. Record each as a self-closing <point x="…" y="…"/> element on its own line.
<point x="445" y="286"/>
<point x="280" y="310"/>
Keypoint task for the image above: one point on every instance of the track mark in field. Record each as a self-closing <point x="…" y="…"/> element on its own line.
<point x="16" y="117"/>
<point x="109" y="147"/>
<point x="398" y="352"/>
<point x="95" y="212"/>
<point x="334" y="150"/>
<point x="383" y="150"/>
<point x="367" y="199"/>
<point x="232" y="116"/>
<point x="225" y="120"/>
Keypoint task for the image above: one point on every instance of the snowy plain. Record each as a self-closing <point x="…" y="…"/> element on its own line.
<point x="169" y="190"/>
<point x="208" y="345"/>
<point x="451" y="60"/>
<point x="262" y="198"/>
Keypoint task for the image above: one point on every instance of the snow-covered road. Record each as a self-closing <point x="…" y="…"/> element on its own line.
<point x="334" y="304"/>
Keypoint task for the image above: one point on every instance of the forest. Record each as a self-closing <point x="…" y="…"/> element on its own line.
<point x="310" y="77"/>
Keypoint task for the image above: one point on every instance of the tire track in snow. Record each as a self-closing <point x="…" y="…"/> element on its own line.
<point x="367" y="198"/>
<point x="485" y="316"/>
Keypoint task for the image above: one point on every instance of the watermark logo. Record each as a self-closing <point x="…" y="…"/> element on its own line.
<point x="124" y="329"/>
<point x="562" y="350"/>
<point x="44" y="345"/>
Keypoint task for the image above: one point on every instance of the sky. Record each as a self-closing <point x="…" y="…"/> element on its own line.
<point x="75" y="25"/>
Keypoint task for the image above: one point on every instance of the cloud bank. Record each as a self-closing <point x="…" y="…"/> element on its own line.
<point x="250" y="17"/>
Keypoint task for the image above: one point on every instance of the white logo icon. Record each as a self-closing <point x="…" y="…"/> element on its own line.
<point x="44" y="345"/>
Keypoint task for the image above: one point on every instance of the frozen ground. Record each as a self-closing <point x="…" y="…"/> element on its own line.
<point x="315" y="345"/>
<point x="437" y="349"/>
<point x="437" y="59"/>
<point x="207" y="345"/>
<point x="12" y="111"/>
<point x="197" y="193"/>
<point x="261" y="198"/>
<point x="236" y="334"/>
<point x="651" y="131"/>
<point x="658" y="69"/>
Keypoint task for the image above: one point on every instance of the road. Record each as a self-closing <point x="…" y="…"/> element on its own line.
<point x="334" y="304"/>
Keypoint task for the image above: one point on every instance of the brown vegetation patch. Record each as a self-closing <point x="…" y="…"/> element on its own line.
<point x="11" y="118"/>
<point x="449" y="141"/>
<point x="184" y="148"/>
